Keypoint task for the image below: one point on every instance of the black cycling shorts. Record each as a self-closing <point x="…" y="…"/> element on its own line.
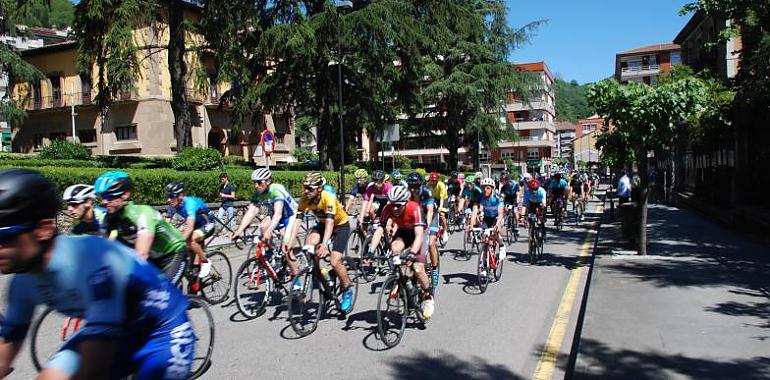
<point x="173" y="265"/>
<point x="339" y="236"/>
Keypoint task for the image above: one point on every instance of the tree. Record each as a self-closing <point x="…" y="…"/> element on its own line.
<point x="16" y="69"/>
<point x="42" y="13"/>
<point x="571" y="103"/>
<point x="645" y="120"/>
<point x="469" y="76"/>
<point x="105" y="33"/>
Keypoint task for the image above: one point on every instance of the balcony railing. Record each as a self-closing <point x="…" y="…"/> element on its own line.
<point x="631" y="69"/>
<point x="63" y="100"/>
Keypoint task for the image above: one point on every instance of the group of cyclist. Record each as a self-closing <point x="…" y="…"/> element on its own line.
<point x="411" y="211"/>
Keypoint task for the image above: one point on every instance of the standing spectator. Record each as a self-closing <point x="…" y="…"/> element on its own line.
<point x="624" y="188"/>
<point x="227" y="194"/>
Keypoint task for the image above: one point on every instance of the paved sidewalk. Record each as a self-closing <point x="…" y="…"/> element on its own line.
<point x="697" y="307"/>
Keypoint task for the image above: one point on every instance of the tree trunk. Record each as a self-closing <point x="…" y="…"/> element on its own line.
<point x="642" y="203"/>
<point x="177" y="69"/>
<point x="453" y="144"/>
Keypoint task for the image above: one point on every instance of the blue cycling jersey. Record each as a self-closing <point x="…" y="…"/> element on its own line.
<point x="426" y="199"/>
<point x="491" y="204"/>
<point x="474" y="195"/>
<point x="561" y="185"/>
<point x="535" y="197"/>
<point x="192" y="207"/>
<point x="509" y="190"/>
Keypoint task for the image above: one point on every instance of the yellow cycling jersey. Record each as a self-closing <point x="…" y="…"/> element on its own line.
<point x="327" y="205"/>
<point x="439" y="191"/>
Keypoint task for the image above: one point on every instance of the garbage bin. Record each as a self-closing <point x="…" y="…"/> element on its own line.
<point x="629" y="219"/>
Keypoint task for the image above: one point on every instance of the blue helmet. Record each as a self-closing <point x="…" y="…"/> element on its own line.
<point x="414" y="179"/>
<point x="396" y="175"/>
<point x="112" y="184"/>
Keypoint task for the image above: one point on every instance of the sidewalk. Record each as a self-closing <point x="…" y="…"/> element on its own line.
<point x="697" y="307"/>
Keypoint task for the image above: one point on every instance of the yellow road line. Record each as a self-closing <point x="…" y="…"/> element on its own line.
<point x="546" y="366"/>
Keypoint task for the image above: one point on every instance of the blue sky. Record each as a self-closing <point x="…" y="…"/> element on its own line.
<point x="582" y="37"/>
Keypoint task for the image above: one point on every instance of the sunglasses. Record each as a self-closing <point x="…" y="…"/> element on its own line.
<point x="259" y="182"/>
<point x="311" y="188"/>
<point x="10" y="233"/>
<point x="109" y="197"/>
<point x="74" y="204"/>
<point x="399" y="205"/>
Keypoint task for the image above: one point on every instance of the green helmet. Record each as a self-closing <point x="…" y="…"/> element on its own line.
<point x="361" y="174"/>
<point x="470" y="178"/>
<point x="313" y="179"/>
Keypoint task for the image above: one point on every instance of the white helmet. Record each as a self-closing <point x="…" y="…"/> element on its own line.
<point x="527" y="177"/>
<point x="398" y="194"/>
<point x="78" y="193"/>
<point x="261" y="174"/>
<point x="487" y="182"/>
<point x="479" y="175"/>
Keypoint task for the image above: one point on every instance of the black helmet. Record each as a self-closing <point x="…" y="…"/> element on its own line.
<point x="173" y="189"/>
<point x="414" y="179"/>
<point x="25" y="197"/>
<point x="378" y="175"/>
<point x="454" y="174"/>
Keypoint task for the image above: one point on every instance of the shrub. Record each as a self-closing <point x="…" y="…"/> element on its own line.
<point x="402" y="162"/>
<point x="65" y="150"/>
<point x="237" y="161"/>
<point x="304" y="154"/>
<point x="198" y="159"/>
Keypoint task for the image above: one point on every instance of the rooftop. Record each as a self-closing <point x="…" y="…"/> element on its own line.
<point x="565" y="126"/>
<point x="652" y="49"/>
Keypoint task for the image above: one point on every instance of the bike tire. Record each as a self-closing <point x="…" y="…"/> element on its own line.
<point x="203" y="325"/>
<point x="467" y="245"/>
<point x="305" y="307"/>
<point x="216" y="286"/>
<point x="252" y="288"/>
<point x="532" y="252"/>
<point x="482" y="280"/>
<point x="499" y="268"/>
<point x="354" y="251"/>
<point x="368" y="271"/>
<point x="392" y="312"/>
<point x="43" y="345"/>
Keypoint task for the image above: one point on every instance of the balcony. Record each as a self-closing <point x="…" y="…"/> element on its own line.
<point x="59" y="101"/>
<point x="639" y="71"/>
<point x="532" y="105"/>
<point x="528" y="142"/>
<point x="194" y="96"/>
<point x="521" y="125"/>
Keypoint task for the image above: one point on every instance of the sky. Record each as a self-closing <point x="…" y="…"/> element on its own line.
<point x="581" y="37"/>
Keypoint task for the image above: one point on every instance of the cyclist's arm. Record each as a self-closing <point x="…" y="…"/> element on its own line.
<point x="429" y="213"/>
<point x="251" y="212"/>
<point x="419" y="234"/>
<point x="8" y="352"/>
<point x="289" y="236"/>
<point x="143" y="243"/>
<point x="145" y="227"/>
<point x="500" y="213"/>
<point x="326" y="239"/>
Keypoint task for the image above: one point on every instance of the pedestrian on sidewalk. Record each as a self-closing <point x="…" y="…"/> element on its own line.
<point x="624" y="188"/>
<point x="227" y="195"/>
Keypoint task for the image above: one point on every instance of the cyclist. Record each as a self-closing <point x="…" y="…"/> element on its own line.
<point x="576" y="194"/>
<point x="376" y="196"/>
<point x="535" y="198"/>
<point x="557" y="190"/>
<point x="471" y="196"/>
<point x="439" y="191"/>
<point x="140" y="226"/>
<point x="137" y="320"/>
<point x="492" y="211"/>
<point x="359" y="190"/>
<point x="396" y="180"/>
<point x="422" y="195"/>
<point x="587" y="188"/>
<point x="409" y="235"/>
<point x="510" y="191"/>
<point x="453" y="187"/>
<point x="478" y="176"/>
<point x="332" y="230"/>
<point x="199" y="222"/>
<point x="88" y="218"/>
<point x="283" y="209"/>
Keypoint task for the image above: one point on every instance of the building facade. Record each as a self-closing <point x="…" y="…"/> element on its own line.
<point x="533" y="120"/>
<point x="703" y="29"/>
<point x="645" y="64"/>
<point x="585" y="149"/>
<point x="140" y="121"/>
<point x="565" y="136"/>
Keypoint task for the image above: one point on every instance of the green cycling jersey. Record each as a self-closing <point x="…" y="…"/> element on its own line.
<point x="134" y="219"/>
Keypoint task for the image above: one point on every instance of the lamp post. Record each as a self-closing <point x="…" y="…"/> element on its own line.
<point x="343" y="5"/>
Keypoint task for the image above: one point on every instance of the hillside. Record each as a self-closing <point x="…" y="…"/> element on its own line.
<point x="61" y="14"/>
<point x="571" y="103"/>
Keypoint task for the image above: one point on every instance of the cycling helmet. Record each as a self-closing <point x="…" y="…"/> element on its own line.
<point x="78" y="193"/>
<point x="398" y="194"/>
<point x="434" y="176"/>
<point x="479" y="175"/>
<point x="25" y="197"/>
<point x="112" y="184"/>
<point x="453" y="174"/>
<point x="261" y="174"/>
<point x="534" y="184"/>
<point x="313" y="179"/>
<point x="414" y="179"/>
<point x="361" y="174"/>
<point x="471" y="179"/>
<point x="173" y="189"/>
<point x="527" y="177"/>
<point x="461" y="176"/>
<point x="387" y="177"/>
<point x="378" y="175"/>
<point x="395" y="175"/>
<point x="488" y="182"/>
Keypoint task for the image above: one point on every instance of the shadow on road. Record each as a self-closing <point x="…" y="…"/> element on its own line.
<point x="443" y="365"/>
<point x="600" y="361"/>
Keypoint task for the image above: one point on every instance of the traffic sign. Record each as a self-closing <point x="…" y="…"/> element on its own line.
<point x="268" y="140"/>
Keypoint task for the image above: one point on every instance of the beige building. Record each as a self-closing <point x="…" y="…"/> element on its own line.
<point x="140" y="121"/>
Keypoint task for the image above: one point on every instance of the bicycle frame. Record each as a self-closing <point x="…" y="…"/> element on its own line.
<point x="489" y="241"/>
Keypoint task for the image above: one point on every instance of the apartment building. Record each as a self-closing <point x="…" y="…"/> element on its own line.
<point x="565" y="136"/>
<point x="140" y="120"/>
<point x="584" y="146"/>
<point x="532" y="118"/>
<point x="702" y="29"/>
<point x="644" y="64"/>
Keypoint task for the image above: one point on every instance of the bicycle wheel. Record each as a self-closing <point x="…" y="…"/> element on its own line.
<point x="532" y="252"/>
<point x="368" y="268"/>
<point x="510" y="234"/>
<point x="203" y="325"/>
<point x="467" y="245"/>
<point x="499" y="267"/>
<point x="48" y="333"/>
<point x="392" y="312"/>
<point x="216" y="285"/>
<point x="482" y="269"/>
<point x="353" y="252"/>
<point x="253" y="287"/>
<point x="306" y="305"/>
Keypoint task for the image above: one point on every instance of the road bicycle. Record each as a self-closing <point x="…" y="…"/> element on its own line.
<point x="471" y="243"/>
<point x="215" y="287"/>
<point x="374" y="263"/>
<point x="536" y="237"/>
<point x="400" y="296"/>
<point x="558" y="208"/>
<point x="441" y="238"/>
<point x="490" y="259"/>
<point x="511" y="225"/>
<point x="51" y="330"/>
<point x="319" y="289"/>
<point x="262" y="274"/>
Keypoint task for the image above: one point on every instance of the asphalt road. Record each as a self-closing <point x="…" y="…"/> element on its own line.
<point x="496" y="335"/>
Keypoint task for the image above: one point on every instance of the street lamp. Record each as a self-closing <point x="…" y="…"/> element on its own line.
<point x="343" y="5"/>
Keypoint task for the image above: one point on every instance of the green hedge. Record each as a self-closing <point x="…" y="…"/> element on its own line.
<point x="150" y="183"/>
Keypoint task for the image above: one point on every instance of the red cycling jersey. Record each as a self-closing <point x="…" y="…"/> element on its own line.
<point x="411" y="217"/>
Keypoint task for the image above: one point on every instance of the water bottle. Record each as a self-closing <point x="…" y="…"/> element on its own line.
<point x="326" y="276"/>
<point x="502" y="252"/>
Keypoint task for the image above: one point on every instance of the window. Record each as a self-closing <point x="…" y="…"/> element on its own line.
<point x="85" y="89"/>
<point x="61" y="136"/>
<point x="676" y="58"/>
<point x="485" y="157"/>
<point x="125" y="132"/>
<point x="37" y="94"/>
<point x="520" y="155"/>
<point x="38" y="140"/>
<point x="533" y="154"/>
<point x="280" y="138"/>
<point x="505" y="155"/>
<point x="87" y="136"/>
<point x="56" y="90"/>
<point x="589" y="127"/>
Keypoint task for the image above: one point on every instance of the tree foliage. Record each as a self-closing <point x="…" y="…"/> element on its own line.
<point x="571" y="102"/>
<point x="42" y="13"/>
